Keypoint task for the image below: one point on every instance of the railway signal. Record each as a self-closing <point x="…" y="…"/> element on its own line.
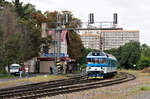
<point x="91" y="18"/>
<point x="115" y="21"/>
<point x="67" y="19"/>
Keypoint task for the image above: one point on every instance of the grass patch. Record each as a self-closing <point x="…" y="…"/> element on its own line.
<point x="118" y="75"/>
<point x="6" y="76"/>
<point x="140" y="89"/>
<point x="144" y="88"/>
<point x="135" y="72"/>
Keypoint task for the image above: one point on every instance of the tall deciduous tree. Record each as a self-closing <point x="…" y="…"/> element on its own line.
<point x="75" y="46"/>
<point x="51" y="19"/>
<point x="130" y="54"/>
<point x="31" y="40"/>
<point x="143" y="62"/>
<point x="9" y="28"/>
<point x="38" y="18"/>
<point x="20" y="39"/>
<point x="145" y="50"/>
<point x="145" y="57"/>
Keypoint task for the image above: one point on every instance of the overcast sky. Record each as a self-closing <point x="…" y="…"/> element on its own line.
<point x="132" y="14"/>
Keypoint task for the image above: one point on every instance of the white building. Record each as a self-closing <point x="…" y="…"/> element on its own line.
<point x="91" y="39"/>
<point x="107" y="39"/>
<point x="116" y="38"/>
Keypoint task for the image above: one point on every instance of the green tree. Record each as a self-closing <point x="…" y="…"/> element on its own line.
<point x="13" y="48"/>
<point x="143" y="62"/>
<point x="145" y="50"/>
<point x="31" y="40"/>
<point x="145" y="57"/>
<point x="20" y="39"/>
<point x="9" y="28"/>
<point x="127" y="55"/>
<point x="19" y="7"/>
<point x="51" y="19"/>
<point x="85" y="52"/>
<point x="75" y="46"/>
<point x="130" y="54"/>
<point x="38" y="18"/>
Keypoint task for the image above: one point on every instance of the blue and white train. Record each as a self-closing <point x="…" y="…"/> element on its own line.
<point x="100" y="64"/>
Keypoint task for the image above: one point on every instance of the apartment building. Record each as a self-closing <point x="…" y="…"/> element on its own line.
<point x="116" y="38"/>
<point x="107" y="39"/>
<point x="91" y="39"/>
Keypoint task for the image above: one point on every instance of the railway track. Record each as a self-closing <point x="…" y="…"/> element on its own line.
<point x="60" y="87"/>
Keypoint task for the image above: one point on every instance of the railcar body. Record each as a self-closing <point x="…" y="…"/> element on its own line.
<point x="100" y="64"/>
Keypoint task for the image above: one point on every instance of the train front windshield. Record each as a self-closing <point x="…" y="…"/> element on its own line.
<point x="96" y="61"/>
<point x="89" y="61"/>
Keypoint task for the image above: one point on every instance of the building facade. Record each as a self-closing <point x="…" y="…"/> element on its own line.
<point x="91" y="39"/>
<point x="116" y="38"/>
<point x="107" y="39"/>
<point x="46" y="60"/>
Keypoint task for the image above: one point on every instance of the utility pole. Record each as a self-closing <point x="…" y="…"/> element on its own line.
<point x="55" y="56"/>
<point x="58" y="30"/>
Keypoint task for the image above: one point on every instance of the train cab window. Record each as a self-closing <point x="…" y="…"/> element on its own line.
<point x="89" y="60"/>
<point x="103" y="61"/>
<point x="93" y="60"/>
<point x="97" y="61"/>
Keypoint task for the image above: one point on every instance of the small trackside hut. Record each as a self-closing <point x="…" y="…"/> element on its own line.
<point x="46" y="60"/>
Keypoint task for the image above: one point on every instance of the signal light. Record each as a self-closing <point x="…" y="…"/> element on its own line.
<point x="91" y="18"/>
<point x="115" y="21"/>
<point x="59" y="18"/>
<point x="66" y="19"/>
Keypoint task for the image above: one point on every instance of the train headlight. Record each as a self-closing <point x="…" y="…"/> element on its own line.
<point x="102" y="68"/>
<point x="88" y="68"/>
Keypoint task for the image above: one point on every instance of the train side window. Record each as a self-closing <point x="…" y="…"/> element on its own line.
<point x="109" y="62"/>
<point x="89" y="60"/>
<point x="103" y="60"/>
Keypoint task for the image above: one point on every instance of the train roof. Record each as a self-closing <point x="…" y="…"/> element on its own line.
<point x="100" y="54"/>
